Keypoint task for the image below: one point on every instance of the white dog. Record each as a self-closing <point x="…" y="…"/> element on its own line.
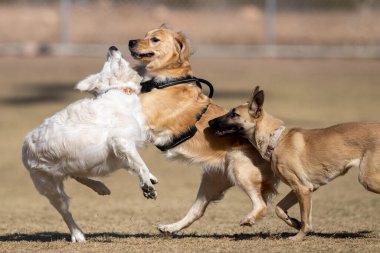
<point x="92" y="137"/>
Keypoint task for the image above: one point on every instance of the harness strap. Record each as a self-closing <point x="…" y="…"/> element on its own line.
<point x="149" y="85"/>
<point x="179" y="139"/>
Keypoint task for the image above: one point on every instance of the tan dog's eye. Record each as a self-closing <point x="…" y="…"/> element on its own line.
<point x="154" y="40"/>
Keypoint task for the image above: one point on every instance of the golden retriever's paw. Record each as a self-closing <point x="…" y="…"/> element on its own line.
<point x="166" y="229"/>
<point x="247" y="221"/>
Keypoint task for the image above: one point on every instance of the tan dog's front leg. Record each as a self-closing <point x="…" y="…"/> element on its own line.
<point x="283" y="206"/>
<point x="304" y="198"/>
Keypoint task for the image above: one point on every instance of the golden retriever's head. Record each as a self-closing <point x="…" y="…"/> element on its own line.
<point x="162" y="49"/>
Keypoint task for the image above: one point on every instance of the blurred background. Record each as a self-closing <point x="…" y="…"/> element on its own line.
<point x="317" y="60"/>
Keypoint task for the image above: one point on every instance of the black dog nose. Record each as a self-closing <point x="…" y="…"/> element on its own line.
<point x="113" y="48"/>
<point x="211" y="123"/>
<point x="132" y="43"/>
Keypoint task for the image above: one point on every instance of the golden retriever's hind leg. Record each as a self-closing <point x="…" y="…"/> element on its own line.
<point x="214" y="183"/>
<point x="283" y="206"/>
<point x="95" y="185"/>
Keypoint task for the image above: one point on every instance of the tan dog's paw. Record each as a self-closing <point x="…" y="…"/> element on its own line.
<point x="298" y="237"/>
<point x="247" y="221"/>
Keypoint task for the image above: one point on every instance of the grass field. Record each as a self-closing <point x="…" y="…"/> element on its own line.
<point x="304" y="93"/>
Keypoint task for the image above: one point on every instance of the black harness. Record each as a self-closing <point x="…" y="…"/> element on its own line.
<point x="148" y="86"/>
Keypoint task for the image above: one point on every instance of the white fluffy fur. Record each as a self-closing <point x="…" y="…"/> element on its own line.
<point x="91" y="137"/>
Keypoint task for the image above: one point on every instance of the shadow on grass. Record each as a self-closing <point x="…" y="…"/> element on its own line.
<point x="39" y="93"/>
<point x="34" y="93"/>
<point x="107" y="237"/>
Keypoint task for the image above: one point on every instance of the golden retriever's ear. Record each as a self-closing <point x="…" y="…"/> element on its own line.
<point x="183" y="47"/>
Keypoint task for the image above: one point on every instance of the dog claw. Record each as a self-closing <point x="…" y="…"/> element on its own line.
<point x="153" y="179"/>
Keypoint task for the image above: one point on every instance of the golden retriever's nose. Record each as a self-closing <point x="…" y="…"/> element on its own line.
<point x="132" y="43"/>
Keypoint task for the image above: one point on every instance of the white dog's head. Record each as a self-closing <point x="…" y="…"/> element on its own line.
<point x="116" y="74"/>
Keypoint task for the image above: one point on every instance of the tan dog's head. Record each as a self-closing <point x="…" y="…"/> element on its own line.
<point x="162" y="49"/>
<point x="242" y="119"/>
<point x="248" y="120"/>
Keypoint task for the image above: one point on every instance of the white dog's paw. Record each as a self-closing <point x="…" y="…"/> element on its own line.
<point x="167" y="229"/>
<point x="148" y="190"/>
<point x="77" y="236"/>
<point x="153" y="179"/>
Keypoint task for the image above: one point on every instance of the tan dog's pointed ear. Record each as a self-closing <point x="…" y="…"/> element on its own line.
<point x="253" y="93"/>
<point x="183" y="47"/>
<point x="163" y="26"/>
<point x="255" y="103"/>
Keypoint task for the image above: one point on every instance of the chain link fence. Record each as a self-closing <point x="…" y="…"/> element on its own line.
<point x="259" y="26"/>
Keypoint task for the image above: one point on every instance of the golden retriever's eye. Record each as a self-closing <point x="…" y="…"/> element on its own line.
<point x="155" y="40"/>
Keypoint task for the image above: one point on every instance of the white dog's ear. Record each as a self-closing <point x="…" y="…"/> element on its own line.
<point x="87" y="84"/>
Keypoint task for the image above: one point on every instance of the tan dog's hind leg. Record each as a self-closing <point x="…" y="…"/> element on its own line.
<point x="214" y="183"/>
<point x="369" y="172"/>
<point x="303" y="194"/>
<point x="95" y="185"/>
<point x="283" y="206"/>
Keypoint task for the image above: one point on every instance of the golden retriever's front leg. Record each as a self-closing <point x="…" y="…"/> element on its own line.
<point x="304" y="197"/>
<point x="283" y="206"/>
<point x="214" y="183"/>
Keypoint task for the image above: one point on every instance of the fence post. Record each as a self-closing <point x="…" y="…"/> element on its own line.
<point x="64" y="13"/>
<point x="270" y="22"/>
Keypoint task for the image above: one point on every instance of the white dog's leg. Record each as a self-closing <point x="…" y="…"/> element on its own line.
<point x="214" y="183"/>
<point x="52" y="188"/>
<point x="95" y="185"/>
<point x="132" y="160"/>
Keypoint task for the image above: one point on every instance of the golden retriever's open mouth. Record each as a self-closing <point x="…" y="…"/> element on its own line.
<point x="142" y="55"/>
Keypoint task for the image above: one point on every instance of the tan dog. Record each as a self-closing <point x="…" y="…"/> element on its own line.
<point x="171" y="112"/>
<point x="305" y="159"/>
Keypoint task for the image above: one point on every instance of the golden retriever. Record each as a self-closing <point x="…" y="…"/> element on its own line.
<point x="172" y="111"/>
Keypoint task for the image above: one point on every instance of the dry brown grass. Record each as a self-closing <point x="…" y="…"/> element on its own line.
<point x="118" y="23"/>
<point x="306" y="93"/>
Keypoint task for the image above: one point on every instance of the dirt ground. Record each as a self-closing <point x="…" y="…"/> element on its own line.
<point x="304" y="93"/>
